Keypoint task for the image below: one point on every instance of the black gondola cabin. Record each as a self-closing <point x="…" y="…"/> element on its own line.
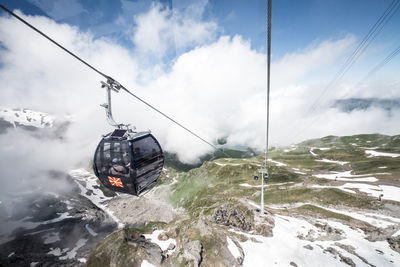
<point x="128" y="162"/>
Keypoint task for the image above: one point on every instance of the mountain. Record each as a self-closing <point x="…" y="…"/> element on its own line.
<point x="350" y="104"/>
<point x="56" y="229"/>
<point x="39" y="123"/>
<point x="332" y="201"/>
<point x="172" y="160"/>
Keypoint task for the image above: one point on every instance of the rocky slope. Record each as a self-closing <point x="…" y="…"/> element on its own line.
<point x="333" y="201"/>
<point x="54" y="229"/>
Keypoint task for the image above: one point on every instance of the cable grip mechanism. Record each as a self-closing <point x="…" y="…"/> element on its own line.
<point x="113" y="85"/>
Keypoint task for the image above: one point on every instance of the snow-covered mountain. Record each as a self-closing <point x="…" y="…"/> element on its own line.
<point x="40" y="123"/>
<point x="26" y="117"/>
<point x="53" y="228"/>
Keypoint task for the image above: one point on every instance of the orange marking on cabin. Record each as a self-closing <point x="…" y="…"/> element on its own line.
<point x="115" y="181"/>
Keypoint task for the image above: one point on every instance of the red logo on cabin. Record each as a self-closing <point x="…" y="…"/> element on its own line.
<point x="115" y="181"/>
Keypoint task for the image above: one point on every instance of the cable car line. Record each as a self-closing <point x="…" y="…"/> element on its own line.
<point x="371" y="35"/>
<point x="380" y="65"/>
<point x="51" y="40"/>
<point x="375" y="69"/>
<point x="264" y="169"/>
<point x="109" y="79"/>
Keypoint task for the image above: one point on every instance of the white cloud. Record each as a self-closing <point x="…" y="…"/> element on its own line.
<point x="216" y="88"/>
<point x="162" y="29"/>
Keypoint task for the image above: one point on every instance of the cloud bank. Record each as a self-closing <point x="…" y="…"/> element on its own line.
<point x="214" y="84"/>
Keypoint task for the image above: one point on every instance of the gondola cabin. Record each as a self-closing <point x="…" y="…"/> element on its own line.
<point x="128" y="162"/>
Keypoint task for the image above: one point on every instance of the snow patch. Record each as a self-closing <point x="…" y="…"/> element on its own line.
<point x="388" y="192"/>
<point x="55" y="252"/>
<point x="286" y="205"/>
<point x="162" y="243"/>
<point x="265" y="185"/>
<point x="72" y="254"/>
<point x="90" y="230"/>
<point x="394" y="235"/>
<point x="145" y="263"/>
<point x="333" y="161"/>
<point x="347" y="176"/>
<point x="51" y="237"/>
<point x="224" y="164"/>
<point x="233" y="248"/>
<point x="279" y="164"/>
<point x="320" y="148"/>
<point x="373" y="153"/>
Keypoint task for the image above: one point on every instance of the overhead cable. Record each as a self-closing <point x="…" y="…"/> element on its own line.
<point x="369" y="37"/>
<point x="109" y="78"/>
<point x="269" y="15"/>
<point x="375" y="69"/>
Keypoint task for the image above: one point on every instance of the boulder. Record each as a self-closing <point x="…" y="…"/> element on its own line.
<point x="163" y="236"/>
<point x="394" y="243"/>
<point x="192" y="251"/>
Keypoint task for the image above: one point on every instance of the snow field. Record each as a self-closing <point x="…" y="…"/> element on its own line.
<point x="268" y="250"/>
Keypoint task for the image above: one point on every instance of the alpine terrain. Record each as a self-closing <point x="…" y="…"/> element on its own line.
<point x="331" y="201"/>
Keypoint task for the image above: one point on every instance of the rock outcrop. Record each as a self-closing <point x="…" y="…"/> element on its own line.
<point x="394" y="243"/>
<point x="236" y="216"/>
<point x="126" y="247"/>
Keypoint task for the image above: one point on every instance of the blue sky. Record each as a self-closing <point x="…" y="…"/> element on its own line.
<point x="295" y="23"/>
<point x="199" y="58"/>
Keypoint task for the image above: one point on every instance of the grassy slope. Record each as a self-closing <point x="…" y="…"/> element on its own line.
<point x="202" y="189"/>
